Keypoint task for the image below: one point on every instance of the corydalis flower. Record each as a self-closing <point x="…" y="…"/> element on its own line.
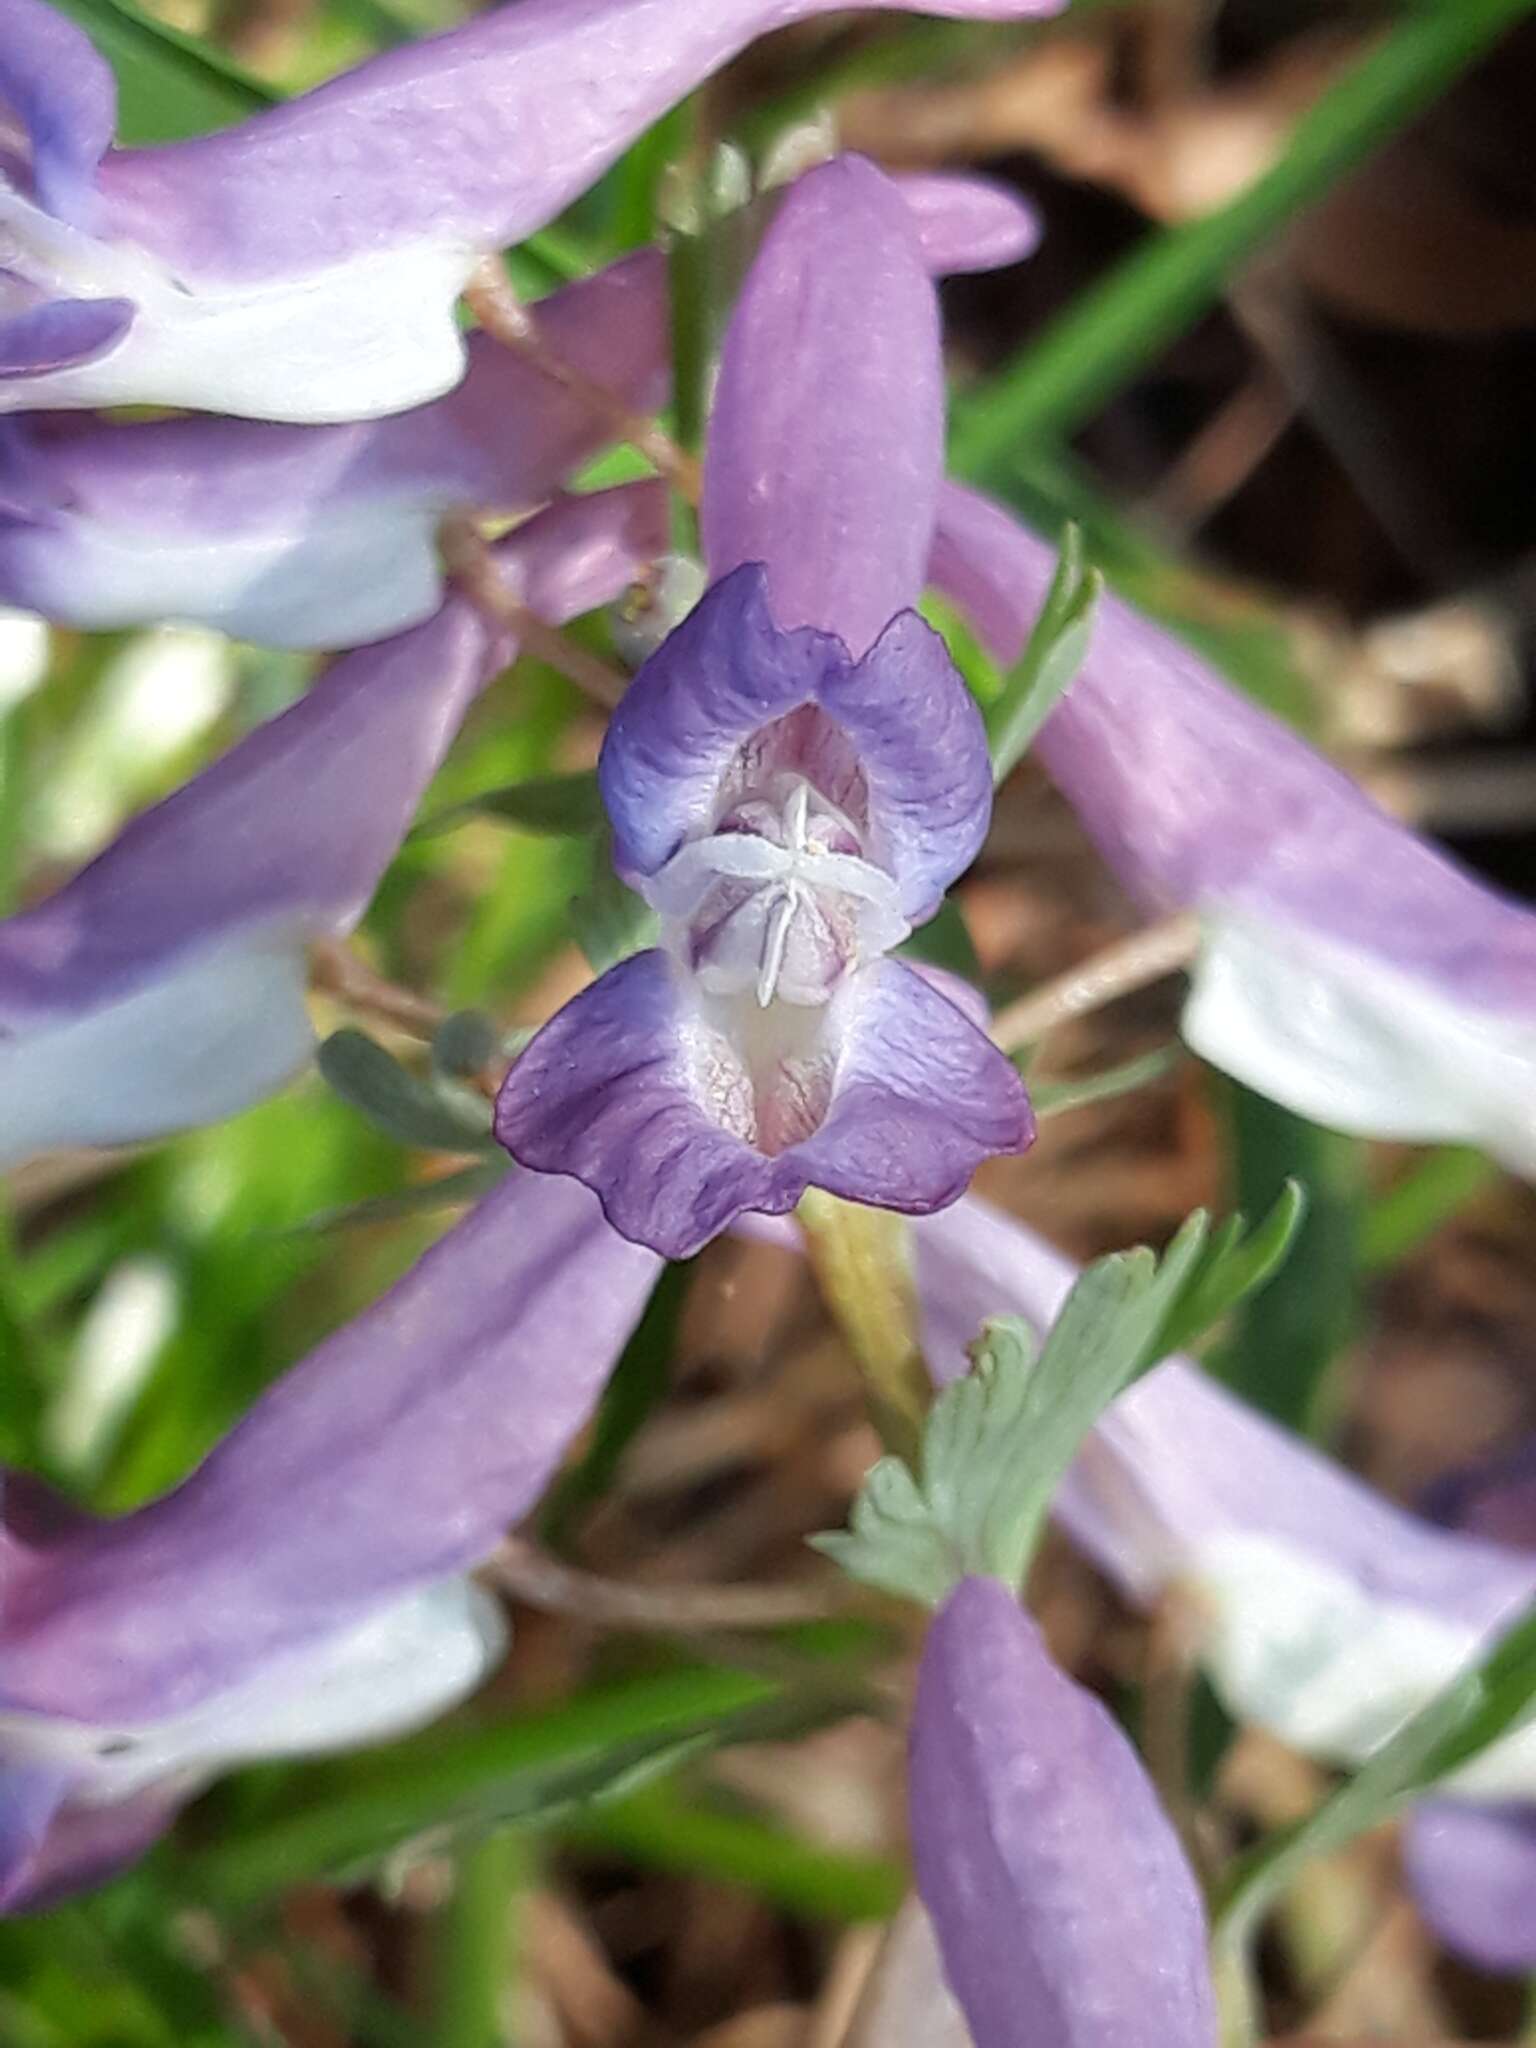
<point x="1064" y="1907"/>
<point x="1346" y="968"/>
<point x="305" y="1588"/>
<point x="304" y="265"/>
<point x="327" y="536"/>
<point x="314" y="536"/>
<point x="164" y="986"/>
<point x="793" y="779"/>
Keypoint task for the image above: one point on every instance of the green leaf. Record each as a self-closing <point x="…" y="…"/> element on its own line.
<point x="1235" y="1268"/>
<point x="466" y="1043"/>
<point x="1507" y="1681"/>
<point x="1108" y="332"/>
<point x="562" y="805"/>
<point x="661" y="1828"/>
<point x="982" y="676"/>
<point x="998" y="1442"/>
<point x="169" y="85"/>
<point x="415" y="1111"/>
<point x="893" y="1539"/>
<point x="1053" y="655"/>
<point x="1416" y="1206"/>
<point x="342" y="1816"/>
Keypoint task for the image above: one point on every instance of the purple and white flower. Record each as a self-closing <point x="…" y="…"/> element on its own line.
<point x="305" y="1589"/>
<point x="793" y="779"/>
<point x="327" y="536"/>
<point x="165" y="985"/>
<point x="1347" y="969"/>
<point x="314" y="536"/>
<point x="305" y="264"/>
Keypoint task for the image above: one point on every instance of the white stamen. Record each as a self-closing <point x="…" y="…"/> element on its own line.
<point x="778" y="899"/>
<point x="776" y="929"/>
<point x="797" y="813"/>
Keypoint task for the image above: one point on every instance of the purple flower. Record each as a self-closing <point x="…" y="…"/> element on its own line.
<point x="305" y="1588"/>
<point x="1331" y="1615"/>
<point x="304" y="265"/>
<point x="302" y="1589"/>
<point x="793" y="780"/>
<point x="1064" y="1907"/>
<point x="1473" y="1868"/>
<point x="314" y="536"/>
<point x="327" y="536"/>
<point x="164" y="986"/>
<point x="1346" y="968"/>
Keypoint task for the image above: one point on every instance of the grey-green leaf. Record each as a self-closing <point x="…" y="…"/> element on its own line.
<point x="998" y="1442"/>
<point x="418" y="1112"/>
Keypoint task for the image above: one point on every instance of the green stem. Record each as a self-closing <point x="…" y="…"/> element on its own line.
<point x="862" y="1259"/>
<point x="475" y="1944"/>
<point x="1237" y="2000"/>
<point x="1107" y="333"/>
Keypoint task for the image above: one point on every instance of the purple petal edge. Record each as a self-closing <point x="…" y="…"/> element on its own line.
<point x="1473" y="1873"/>
<point x="390" y="1459"/>
<point x="729" y="669"/>
<point x="607" y="1092"/>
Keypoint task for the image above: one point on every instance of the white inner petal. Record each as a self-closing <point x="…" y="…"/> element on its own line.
<point x="397" y="1669"/>
<point x="353" y="570"/>
<point x="370" y="335"/>
<point x="1311" y="1654"/>
<point x="1349" y="1041"/>
<point x="216" y="1032"/>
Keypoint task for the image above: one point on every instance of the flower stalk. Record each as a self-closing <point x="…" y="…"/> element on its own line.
<point x="862" y="1259"/>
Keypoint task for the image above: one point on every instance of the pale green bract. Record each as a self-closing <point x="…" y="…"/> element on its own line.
<point x="998" y="1442"/>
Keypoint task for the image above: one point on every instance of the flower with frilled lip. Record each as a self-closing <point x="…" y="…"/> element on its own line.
<point x="793" y="780"/>
<point x="1346" y="967"/>
<point x="305" y="1588"/>
<point x="326" y="536"/>
<point x="305" y="264"/>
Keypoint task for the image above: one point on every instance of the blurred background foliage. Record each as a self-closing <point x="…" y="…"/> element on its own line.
<point x="1276" y="356"/>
